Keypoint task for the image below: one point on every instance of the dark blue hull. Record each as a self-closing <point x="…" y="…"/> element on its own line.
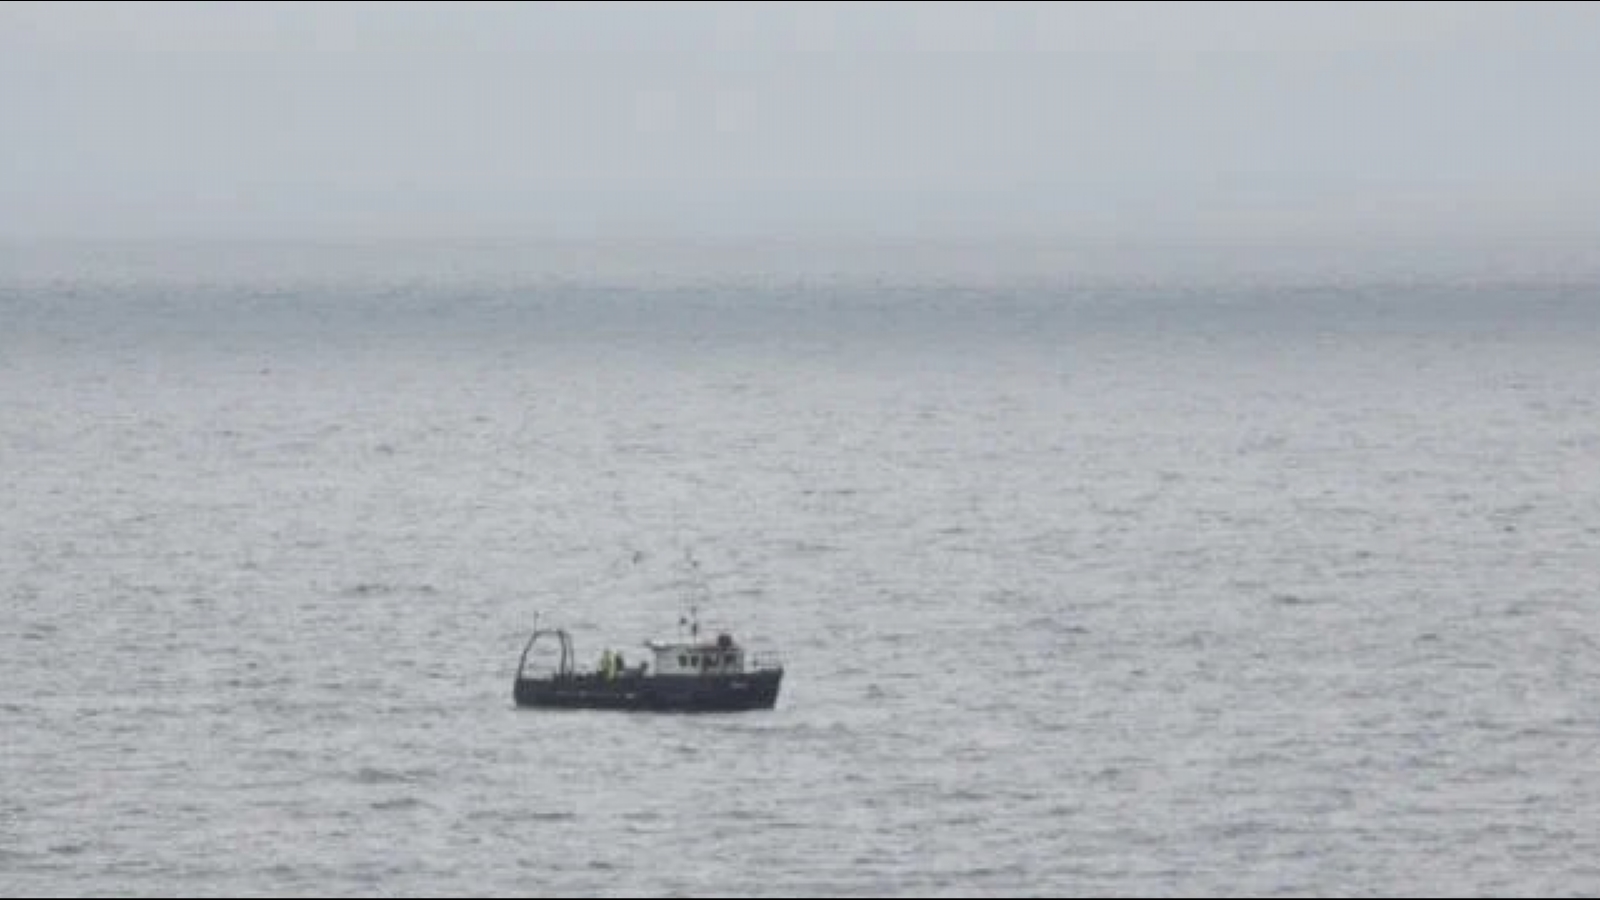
<point x="667" y="694"/>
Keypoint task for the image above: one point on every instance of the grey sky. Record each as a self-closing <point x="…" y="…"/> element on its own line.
<point x="1189" y="121"/>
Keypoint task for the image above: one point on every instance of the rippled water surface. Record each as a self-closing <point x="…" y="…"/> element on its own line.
<point x="1116" y="592"/>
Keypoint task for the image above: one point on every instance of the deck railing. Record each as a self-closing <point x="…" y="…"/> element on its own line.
<point x="765" y="661"/>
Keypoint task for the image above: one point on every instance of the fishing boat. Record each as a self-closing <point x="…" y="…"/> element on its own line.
<point x="687" y="675"/>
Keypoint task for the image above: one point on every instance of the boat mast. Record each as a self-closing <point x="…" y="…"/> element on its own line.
<point x="696" y="588"/>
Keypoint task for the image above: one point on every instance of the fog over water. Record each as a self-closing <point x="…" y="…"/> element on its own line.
<point x="1162" y="440"/>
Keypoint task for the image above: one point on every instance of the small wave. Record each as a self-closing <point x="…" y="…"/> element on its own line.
<point x="811" y="548"/>
<point x="370" y="775"/>
<point x="379" y="589"/>
<point x="400" y="804"/>
<point x="1009" y="870"/>
<point x="1050" y="624"/>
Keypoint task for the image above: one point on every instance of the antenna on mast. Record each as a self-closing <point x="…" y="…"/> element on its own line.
<point x="697" y="588"/>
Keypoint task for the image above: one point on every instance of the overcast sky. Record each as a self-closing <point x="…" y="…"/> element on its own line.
<point x="991" y="121"/>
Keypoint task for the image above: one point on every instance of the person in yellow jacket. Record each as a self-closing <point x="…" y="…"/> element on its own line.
<point x="608" y="665"/>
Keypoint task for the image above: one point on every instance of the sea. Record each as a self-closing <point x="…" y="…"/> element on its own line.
<point x="1266" y="586"/>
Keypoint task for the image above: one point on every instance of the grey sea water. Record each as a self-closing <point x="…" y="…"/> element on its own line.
<point x="1150" y="591"/>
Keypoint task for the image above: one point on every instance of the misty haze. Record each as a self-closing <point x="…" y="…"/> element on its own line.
<point x="1155" y="446"/>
